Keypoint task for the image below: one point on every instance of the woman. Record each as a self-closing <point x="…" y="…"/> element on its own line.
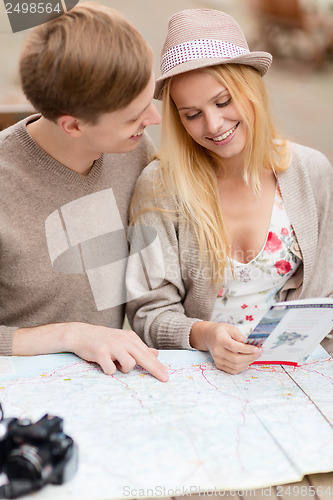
<point x="242" y="218"/>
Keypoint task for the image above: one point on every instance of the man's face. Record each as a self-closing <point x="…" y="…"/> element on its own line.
<point x="120" y="131"/>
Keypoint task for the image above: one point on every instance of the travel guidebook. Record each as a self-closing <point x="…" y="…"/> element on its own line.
<point x="290" y="331"/>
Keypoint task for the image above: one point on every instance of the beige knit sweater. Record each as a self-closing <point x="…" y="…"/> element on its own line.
<point x="62" y="235"/>
<point x="168" y="289"/>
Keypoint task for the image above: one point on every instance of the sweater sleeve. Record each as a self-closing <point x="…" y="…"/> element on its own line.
<point x="307" y="188"/>
<point x="322" y="272"/>
<point x="6" y="340"/>
<point x="155" y="288"/>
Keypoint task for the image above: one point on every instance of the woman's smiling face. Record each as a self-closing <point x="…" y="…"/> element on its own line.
<point x="209" y="114"/>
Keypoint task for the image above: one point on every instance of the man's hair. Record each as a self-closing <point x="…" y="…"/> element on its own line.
<point x="84" y="63"/>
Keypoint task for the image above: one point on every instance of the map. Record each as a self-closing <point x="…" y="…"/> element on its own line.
<point x="202" y="430"/>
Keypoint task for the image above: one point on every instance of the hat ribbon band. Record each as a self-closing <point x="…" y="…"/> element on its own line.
<point x="199" y="49"/>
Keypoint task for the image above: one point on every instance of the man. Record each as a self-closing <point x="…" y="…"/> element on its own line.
<point x="66" y="179"/>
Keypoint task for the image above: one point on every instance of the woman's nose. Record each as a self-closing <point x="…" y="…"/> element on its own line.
<point x="214" y="122"/>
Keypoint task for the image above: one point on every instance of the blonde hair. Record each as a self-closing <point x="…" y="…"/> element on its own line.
<point x="187" y="169"/>
<point x="84" y="63"/>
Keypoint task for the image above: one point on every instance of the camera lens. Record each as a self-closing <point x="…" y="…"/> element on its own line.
<point x="25" y="462"/>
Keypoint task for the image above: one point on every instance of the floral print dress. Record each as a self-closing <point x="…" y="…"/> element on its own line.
<point x="244" y="299"/>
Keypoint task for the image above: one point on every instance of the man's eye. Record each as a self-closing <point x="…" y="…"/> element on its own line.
<point x="224" y="103"/>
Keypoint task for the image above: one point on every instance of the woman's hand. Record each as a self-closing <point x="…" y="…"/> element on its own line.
<point x="226" y="344"/>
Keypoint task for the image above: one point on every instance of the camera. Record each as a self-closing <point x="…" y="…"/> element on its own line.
<point x="34" y="454"/>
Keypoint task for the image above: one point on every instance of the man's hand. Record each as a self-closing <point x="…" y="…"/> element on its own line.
<point x="226" y="344"/>
<point x="112" y="349"/>
<point x="109" y="347"/>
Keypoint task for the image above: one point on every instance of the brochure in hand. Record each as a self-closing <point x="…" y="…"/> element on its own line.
<point x="290" y="331"/>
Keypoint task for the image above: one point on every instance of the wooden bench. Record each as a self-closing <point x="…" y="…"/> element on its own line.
<point x="12" y="113"/>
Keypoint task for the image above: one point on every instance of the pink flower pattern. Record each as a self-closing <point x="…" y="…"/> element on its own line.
<point x="273" y="243"/>
<point x="282" y="266"/>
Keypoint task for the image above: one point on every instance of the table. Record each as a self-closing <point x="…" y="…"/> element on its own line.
<point x="313" y="486"/>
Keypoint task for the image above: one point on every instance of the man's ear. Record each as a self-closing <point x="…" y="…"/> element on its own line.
<point x="70" y="125"/>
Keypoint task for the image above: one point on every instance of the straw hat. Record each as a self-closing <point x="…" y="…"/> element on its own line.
<point x="198" y="38"/>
